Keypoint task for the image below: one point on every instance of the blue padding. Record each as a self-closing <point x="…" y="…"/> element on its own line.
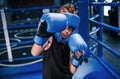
<point x="33" y="71"/>
<point x="92" y="70"/>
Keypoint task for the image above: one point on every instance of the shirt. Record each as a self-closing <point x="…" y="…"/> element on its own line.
<point x="56" y="61"/>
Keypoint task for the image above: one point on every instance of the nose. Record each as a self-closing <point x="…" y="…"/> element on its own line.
<point x="67" y="32"/>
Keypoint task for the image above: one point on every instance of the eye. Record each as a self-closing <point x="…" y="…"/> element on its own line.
<point x="70" y="28"/>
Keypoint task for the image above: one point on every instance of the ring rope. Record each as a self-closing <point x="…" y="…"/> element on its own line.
<point x="21" y="26"/>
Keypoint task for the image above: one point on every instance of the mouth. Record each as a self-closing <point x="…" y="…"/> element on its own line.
<point x="64" y="35"/>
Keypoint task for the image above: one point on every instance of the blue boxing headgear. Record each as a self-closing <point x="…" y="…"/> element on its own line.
<point x="72" y="21"/>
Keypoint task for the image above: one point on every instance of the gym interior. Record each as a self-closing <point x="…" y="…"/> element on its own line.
<point x="99" y="26"/>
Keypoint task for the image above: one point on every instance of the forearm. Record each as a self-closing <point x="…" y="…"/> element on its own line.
<point x="37" y="49"/>
<point x="73" y="69"/>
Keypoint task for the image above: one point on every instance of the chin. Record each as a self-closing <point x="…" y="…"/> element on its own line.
<point x="64" y="37"/>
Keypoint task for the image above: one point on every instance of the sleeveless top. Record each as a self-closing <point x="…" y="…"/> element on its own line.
<point x="56" y="61"/>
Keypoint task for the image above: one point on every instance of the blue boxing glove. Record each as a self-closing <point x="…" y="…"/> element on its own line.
<point x="77" y="45"/>
<point x="48" y="25"/>
<point x="72" y="21"/>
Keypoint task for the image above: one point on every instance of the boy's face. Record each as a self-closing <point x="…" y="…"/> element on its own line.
<point x="65" y="33"/>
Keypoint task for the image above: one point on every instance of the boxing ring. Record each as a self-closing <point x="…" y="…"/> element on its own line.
<point x="16" y="61"/>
